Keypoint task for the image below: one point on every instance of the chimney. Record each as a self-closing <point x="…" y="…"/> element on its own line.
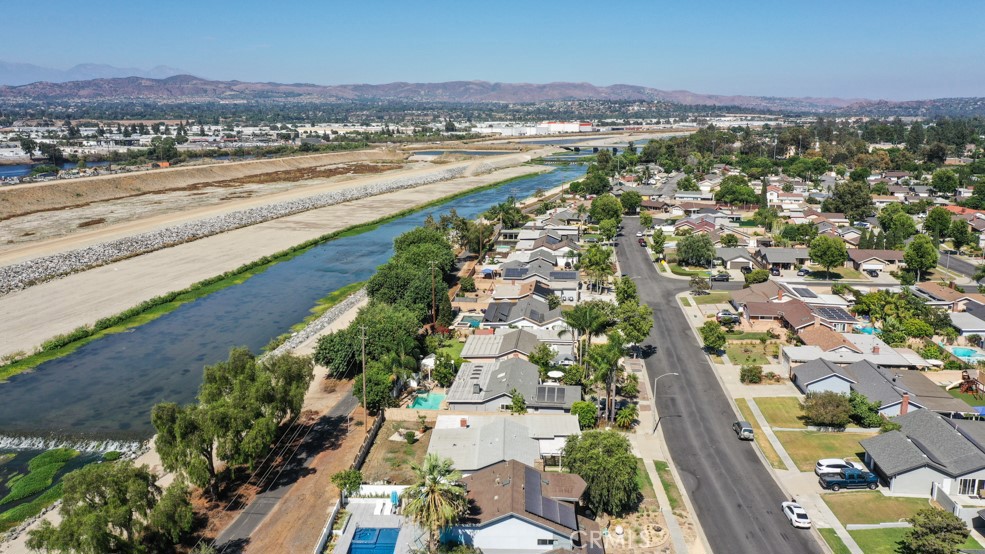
<point x="875" y="349"/>
<point x="779" y="295"/>
<point x="464" y="422"/>
<point x="905" y="404"/>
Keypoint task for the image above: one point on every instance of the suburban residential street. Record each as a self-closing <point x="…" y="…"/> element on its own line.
<point x="736" y="500"/>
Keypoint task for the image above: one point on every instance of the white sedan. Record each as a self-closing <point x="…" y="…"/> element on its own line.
<point x="835" y="465"/>
<point x="798" y="516"/>
<point x="639" y="233"/>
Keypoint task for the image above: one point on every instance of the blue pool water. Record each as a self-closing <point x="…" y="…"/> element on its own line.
<point x="429" y="401"/>
<point x="371" y="540"/>
<point x="867" y="330"/>
<point x="472" y="320"/>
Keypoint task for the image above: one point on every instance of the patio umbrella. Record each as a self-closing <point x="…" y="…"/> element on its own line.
<point x="394" y="498"/>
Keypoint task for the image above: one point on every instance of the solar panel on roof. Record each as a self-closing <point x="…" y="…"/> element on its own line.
<point x="549" y="510"/>
<point x="804" y="292"/>
<point x="541" y="394"/>
<point x="566" y="515"/>
<point x="835" y="314"/>
<point x="532" y="499"/>
<point x="514" y="272"/>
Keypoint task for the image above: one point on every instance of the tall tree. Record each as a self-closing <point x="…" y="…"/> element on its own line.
<point x="605" y="207"/>
<point x="603" y="359"/>
<point x="828" y="252"/>
<point x="851" y="198"/>
<point x="938" y="222"/>
<point x="934" y="531"/>
<point x="945" y="181"/>
<point x="604" y="459"/>
<point x="695" y="250"/>
<point x="921" y="255"/>
<point x="630" y="201"/>
<point x="960" y="233"/>
<point x="635" y="321"/>
<point x="589" y="320"/>
<point x="436" y="499"/>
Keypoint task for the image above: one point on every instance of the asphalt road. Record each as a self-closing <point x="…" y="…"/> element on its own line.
<point x="957" y="265"/>
<point x="735" y="497"/>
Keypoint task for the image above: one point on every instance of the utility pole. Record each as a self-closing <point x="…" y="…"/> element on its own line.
<point x="434" y="302"/>
<point x="365" y="400"/>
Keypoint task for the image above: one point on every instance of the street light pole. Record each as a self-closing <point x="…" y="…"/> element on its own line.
<point x="653" y="393"/>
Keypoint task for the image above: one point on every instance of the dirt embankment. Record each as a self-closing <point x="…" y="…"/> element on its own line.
<point x="60" y="194"/>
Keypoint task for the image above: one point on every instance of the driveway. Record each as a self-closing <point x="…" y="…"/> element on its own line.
<point x="735" y="498"/>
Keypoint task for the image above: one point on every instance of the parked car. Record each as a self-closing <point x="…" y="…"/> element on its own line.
<point x="726" y="316"/>
<point x="724" y="277"/>
<point x="872" y="273"/>
<point x="849" y="479"/>
<point x="796" y="515"/>
<point x="835" y="465"/>
<point x="803" y="271"/>
<point x="642" y="242"/>
<point x="743" y="430"/>
<point x="639" y="233"/>
<point x="949" y="252"/>
<point x="775" y="271"/>
<point x="746" y="269"/>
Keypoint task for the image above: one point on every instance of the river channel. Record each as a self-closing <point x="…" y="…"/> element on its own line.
<point x="106" y="389"/>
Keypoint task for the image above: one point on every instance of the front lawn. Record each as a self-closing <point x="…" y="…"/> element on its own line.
<point x="783" y="412"/>
<point x="750" y="354"/>
<point x="752" y="335"/>
<point x="872" y="506"/>
<point x="678" y="270"/>
<point x="807" y="447"/>
<point x="643" y="480"/>
<point x="834" y="541"/>
<point x="712" y="298"/>
<point x="883" y="541"/>
<point x="764" y="443"/>
<point x="817" y="272"/>
<point x="669" y="485"/>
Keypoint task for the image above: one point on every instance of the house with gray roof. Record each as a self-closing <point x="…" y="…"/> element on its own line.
<point x="735" y="258"/>
<point x="929" y="453"/>
<point x="475" y="442"/>
<point x="487" y="387"/>
<point x="514" y="343"/>
<point x="528" y="312"/>
<point x="784" y="258"/>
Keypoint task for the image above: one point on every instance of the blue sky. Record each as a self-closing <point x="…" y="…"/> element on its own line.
<point x="852" y="49"/>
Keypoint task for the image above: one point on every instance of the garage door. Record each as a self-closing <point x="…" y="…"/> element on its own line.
<point x="872" y="265"/>
<point x="737" y="264"/>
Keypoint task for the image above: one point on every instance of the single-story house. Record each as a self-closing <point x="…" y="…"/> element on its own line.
<point x="967" y="323"/>
<point x="735" y="258"/>
<point x="525" y="313"/>
<point x="792" y="313"/>
<point x="929" y="452"/>
<point x="784" y="258"/>
<point x="515" y="343"/>
<point x="944" y="297"/>
<point x="854" y="348"/>
<point x="516" y="509"/>
<point x="487" y="387"/>
<point x="475" y="442"/>
<point x="879" y="260"/>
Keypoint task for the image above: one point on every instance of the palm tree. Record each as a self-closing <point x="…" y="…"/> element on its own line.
<point x="436" y="499"/>
<point x="588" y="320"/>
<point x="626" y="417"/>
<point x="604" y="360"/>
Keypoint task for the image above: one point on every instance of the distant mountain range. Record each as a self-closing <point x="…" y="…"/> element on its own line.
<point x="186" y="88"/>
<point x="24" y="73"/>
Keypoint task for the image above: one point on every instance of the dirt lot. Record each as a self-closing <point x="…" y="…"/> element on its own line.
<point x="19" y="230"/>
<point x="389" y="460"/>
<point x="60" y="194"/>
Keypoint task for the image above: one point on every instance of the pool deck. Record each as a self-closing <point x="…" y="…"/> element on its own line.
<point x="364" y="514"/>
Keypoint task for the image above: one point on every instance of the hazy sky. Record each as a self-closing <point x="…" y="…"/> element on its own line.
<point x="896" y="49"/>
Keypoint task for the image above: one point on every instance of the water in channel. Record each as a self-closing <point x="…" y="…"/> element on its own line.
<point x="106" y="389"/>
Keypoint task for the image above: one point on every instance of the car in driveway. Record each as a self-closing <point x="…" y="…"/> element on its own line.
<point x="726" y="316"/>
<point x="721" y="277"/>
<point x="746" y="269"/>
<point x="835" y="465"/>
<point x="872" y="273"/>
<point x="803" y="272"/>
<point x="849" y="479"/>
<point x="775" y="272"/>
<point x="796" y="515"/>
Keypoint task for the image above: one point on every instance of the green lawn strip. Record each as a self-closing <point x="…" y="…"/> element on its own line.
<point x="643" y="480"/>
<point x="834" y="541"/>
<point x="748" y="336"/>
<point x="156" y="307"/>
<point x="783" y="411"/>
<point x="712" y="298"/>
<point x="747" y="354"/>
<point x="669" y="485"/>
<point x="817" y="272"/>
<point x="685" y="302"/>
<point x="807" y="447"/>
<point x="884" y="541"/>
<point x="42" y="470"/>
<point x="871" y="507"/>
<point x="678" y="270"/>
<point x="764" y="443"/>
<point x="18" y="514"/>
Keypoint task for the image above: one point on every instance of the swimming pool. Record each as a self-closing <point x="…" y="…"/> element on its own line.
<point x="969" y="355"/>
<point x="867" y="330"/>
<point x="472" y="320"/>
<point x="429" y="401"/>
<point x="373" y="540"/>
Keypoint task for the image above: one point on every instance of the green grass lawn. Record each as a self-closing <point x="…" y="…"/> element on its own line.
<point x="807" y="447"/>
<point x="686" y="302"/>
<point x="967" y="398"/>
<point x="781" y="412"/>
<point x="712" y="298"/>
<point x="834" y="541"/>
<point x="764" y="444"/>
<point x="678" y="270"/>
<point x="453" y="347"/>
<point x="748" y="336"/>
<point x="883" y="541"/>
<point x="817" y="272"/>
<point x="872" y="507"/>
<point x="749" y="354"/>
<point x="643" y="480"/>
<point x="670" y="487"/>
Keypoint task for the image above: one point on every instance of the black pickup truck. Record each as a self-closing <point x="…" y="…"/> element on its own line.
<point x="849" y="479"/>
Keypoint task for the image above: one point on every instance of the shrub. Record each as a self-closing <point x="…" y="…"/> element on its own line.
<point x="586" y="412"/>
<point x="757" y="276"/>
<point x="751" y="374"/>
<point x="410" y="437"/>
<point x="467" y="284"/>
<point x="631" y="386"/>
<point x="111" y="456"/>
<point x="827" y="409"/>
<point x="888" y="425"/>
